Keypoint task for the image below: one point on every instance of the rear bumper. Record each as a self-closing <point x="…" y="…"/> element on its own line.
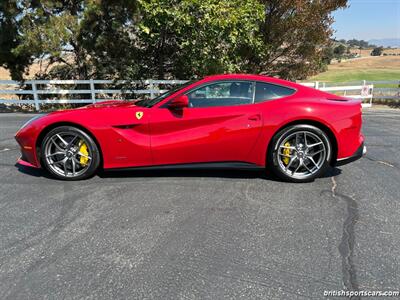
<point x="361" y="151"/>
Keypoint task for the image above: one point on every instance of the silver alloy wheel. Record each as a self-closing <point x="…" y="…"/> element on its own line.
<point x="63" y="155"/>
<point x="305" y="155"/>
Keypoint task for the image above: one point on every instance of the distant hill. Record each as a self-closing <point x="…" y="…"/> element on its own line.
<point x="385" y="42"/>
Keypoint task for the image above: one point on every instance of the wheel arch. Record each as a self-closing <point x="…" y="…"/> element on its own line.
<point x="328" y="131"/>
<point x="50" y="127"/>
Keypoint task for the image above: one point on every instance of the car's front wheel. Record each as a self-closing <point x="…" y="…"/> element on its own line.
<point x="69" y="153"/>
<point x="300" y="153"/>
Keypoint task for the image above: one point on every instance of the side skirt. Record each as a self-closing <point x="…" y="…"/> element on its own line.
<point x="208" y="165"/>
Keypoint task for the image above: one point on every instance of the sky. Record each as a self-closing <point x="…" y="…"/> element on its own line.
<point x="368" y="19"/>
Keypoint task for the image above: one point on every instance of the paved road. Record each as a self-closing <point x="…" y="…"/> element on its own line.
<point x="201" y="234"/>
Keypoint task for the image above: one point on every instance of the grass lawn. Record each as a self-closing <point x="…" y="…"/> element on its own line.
<point x="357" y="75"/>
<point x="366" y="68"/>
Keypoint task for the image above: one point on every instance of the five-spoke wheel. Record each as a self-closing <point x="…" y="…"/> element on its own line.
<point x="69" y="153"/>
<point x="300" y="153"/>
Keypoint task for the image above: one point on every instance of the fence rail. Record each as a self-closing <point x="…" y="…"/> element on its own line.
<point x="50" y="89"/>
<point x="58" y="91"/>
<point x="368" y="89"/>
<point x="365" y="91"/>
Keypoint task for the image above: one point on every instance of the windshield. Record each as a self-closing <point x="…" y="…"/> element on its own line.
<point x="152" y="102"/>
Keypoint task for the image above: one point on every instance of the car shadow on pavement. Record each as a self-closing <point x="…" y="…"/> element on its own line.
<point x="332" y="172"/>
<point x="217" y="173"/>
<point x="193" y="172"/>
<point x="32" y="171"/>
<point x="126" y="173"/>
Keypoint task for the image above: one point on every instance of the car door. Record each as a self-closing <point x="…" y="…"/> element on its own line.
<point x="221" y="124"/>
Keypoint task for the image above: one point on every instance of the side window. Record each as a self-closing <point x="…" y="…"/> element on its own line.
<point x="266" y="91"/>
<point x="229" y="93"/>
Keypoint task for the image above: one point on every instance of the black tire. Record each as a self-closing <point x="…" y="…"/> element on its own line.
<point x="52" y="138"/>
<point x="279" y="167"/>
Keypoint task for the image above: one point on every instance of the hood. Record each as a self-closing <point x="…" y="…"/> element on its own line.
<point x="95" y="106"/>
<point x="111" y="103"/>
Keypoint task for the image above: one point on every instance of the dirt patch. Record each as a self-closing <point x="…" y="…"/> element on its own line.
<point x="371" y="62"/>
<point x="367" y="52"/>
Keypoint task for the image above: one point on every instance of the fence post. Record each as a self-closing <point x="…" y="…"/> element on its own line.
<point x="372" y="94"/>
<point x="92" y="91"/>
<point x="317" y="85"/>
<point x="364" y="84"/>
<point x="35" y="96"/>
<point x="151" y="86"/>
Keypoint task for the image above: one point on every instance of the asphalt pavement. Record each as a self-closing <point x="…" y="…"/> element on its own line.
<point x="201" y="234"/>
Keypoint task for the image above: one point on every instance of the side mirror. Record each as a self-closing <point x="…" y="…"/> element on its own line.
<point x="179" y="102"/>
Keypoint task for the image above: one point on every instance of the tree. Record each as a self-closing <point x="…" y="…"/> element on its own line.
<point x="195" y="37"/>
<point x="166" y="38"/>
<point x="339" y="50"/>
<point x="377" y="51"/>
<point x="12" y="60"/>
<point x="192" y="38"/>
<point x="327" y="55"/>
<point x="294" y="33"/>
<point x="77" y="38"/>
<point x="106" y="34"/>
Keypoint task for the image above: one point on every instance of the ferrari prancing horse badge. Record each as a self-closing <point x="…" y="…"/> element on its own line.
<point x="139" y="115"/>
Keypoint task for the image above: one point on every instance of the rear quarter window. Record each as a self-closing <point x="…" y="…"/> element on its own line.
<point x="267" y="91"/>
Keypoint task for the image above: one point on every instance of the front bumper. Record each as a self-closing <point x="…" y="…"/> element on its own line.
<point x="361" y="151"/>
<point x="28" y="150"/>
<point x="23" y="162"/>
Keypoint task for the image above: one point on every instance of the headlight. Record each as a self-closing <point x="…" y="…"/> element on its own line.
<point x="31" y="120"/>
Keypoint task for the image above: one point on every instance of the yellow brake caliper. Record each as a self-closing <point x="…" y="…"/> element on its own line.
<point x="84" y="150"/>
<point x="286" y="152"/>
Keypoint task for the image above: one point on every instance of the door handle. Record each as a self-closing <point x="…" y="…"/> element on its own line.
<point x="255" y="118"/>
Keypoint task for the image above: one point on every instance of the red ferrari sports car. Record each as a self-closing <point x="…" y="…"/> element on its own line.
<point x="225" y="120"/>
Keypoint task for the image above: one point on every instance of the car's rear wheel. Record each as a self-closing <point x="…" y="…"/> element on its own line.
<point x="69" y="153"/>
<point x="300" y="153"/>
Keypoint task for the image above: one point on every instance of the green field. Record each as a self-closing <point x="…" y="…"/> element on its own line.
<point x="357" y="75"/>
<point x="367" y="68"/>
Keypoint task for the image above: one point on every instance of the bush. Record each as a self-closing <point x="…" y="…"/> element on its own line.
<point x="377" y="51"/>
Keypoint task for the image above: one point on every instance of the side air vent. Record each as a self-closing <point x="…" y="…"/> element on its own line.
<point x="338" y="99"/>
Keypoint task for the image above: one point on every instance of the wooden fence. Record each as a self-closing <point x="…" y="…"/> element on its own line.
<point x="39" y="92"/>
<point x="54" y="91"/>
